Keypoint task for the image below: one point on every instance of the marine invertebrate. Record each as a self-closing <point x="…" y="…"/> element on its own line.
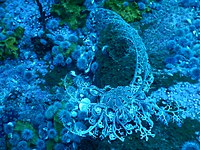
<point x="59" y="60"/>
<point x="118" y="111"/>
<point x="40" y="144"/>
<point x="14" y="139"/>
<point x="76" y="53"/>
<point x="64" y="116"/>
<point x="8" y="128"/>
<point x="195" y="73"/>
<point x="52" y="133"/>
<point x="38" y="119"/>
<point x="123" y="43"/>
<point x="82" y="63"/>
<point x="28" y="75"/>
<point x="27" y="134"/>
<point x="194" y="62"/>
<point x="22" y="145"/>
<point x="141" y="6"/>
<point x="94" y="67"/>
<point x="50" y="112"/>
<point x="171" y="44"/>
<point x="68" y="61"/>
<point x="52" y="24"/>
<point x="65" y="138"/>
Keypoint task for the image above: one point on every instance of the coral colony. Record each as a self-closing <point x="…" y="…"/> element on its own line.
<point x="99" y="74"/>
